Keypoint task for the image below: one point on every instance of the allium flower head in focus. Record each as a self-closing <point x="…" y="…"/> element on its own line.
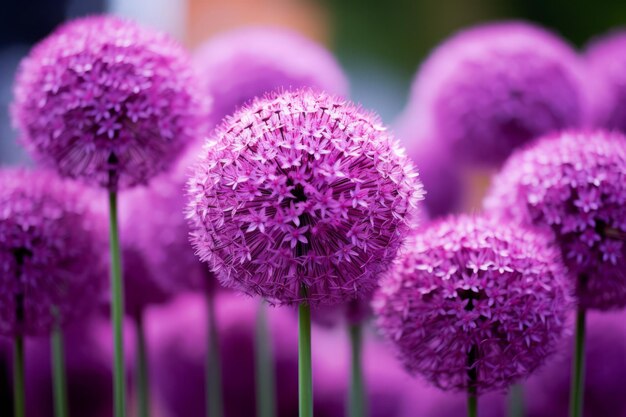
<point x="302" y="190"/>
<point x="494" y="87"/>
<point x="574" y="185"/>
<point x="474" y="304"/>
<point x="50" y="253"/>
<point x="107" y="101"/>
<point x="246" y="63"/>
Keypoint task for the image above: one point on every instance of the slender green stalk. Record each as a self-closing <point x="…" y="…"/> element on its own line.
<point x="143" y="385"/>
<point x="215" y="407"/>
<point x="472" y="378"/>
<point x="117" y="310"/>
<point x="265" y="383"/>
<point x="58" y="369"/>
<point x="472" y="402"/>
<point x="357" y="406"/>
<point x="18" y="376"/>
<point x="516" y="401"/>
<point x="305" y="379"/>
<point x="578" y="368"/>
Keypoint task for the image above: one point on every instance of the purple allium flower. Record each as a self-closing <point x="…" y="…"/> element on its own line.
<point x="494" y="87"/>
<point x="50" y="252"/>
<point x="88" y="365"/>
<point x="301" y="190"/>
<point x="606" y="60"/>
<point x="158" y="258"/>
<point x="548" y="390"/>
<point x="474" y="303"/>
<point x="246" y="63"/>
<point x="177" y="339"/>
<point x="574" y="185"/>
<point x="107" y="101"/>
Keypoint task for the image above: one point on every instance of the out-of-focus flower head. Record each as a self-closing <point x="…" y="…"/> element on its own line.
<point x="107" y="101"/>
<point x="606" y="61"/>
<point x="177" y="338"/>
<point x="50" y="252"/>
<point x="246" y="63"/>
<point x="302" y="196"/>
<point x="573" y="184"/>
<point x="492" y="88"/>
<point x="159" y="260"/>
<point x="474" y="303"/>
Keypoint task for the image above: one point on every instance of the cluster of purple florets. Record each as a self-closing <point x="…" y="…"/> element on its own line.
<point x="473" y="303"/>
<point x="301" y="196"/>
<point x="50" y="253"/>
<point x="574" y="184"/>
<point x="107" y="101"/>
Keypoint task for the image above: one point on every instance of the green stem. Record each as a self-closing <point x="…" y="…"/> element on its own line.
<point x="305" y="380"/>
<point x="117" y="310"/>
<point x="18" y="376"/>
<point x="472" y="402"/>
<point x="357" y="406"/>
<point x="58" y="369"/>
<point x="143" y="385"/>
<point x="265" y="383"/>
<point x="516" y="401"/>
<point x="213" y="366"/>
<point x="578" y="367"/>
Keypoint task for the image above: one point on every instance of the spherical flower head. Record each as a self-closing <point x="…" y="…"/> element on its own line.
<point x="494" y="87"/>
<point x="107" y="101"/>
<point x="573" y="184"/>
<point x="48" y="238"/>
<point x="301" y="197"/>
<point x="474" y="303"/>
<point x="606" y="61"/>
<point x="246" y="63"/>
<point x="605" y="365"/>
<point x="159" y="260"/>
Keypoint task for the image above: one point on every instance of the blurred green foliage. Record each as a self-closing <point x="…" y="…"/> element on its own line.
<point x="402" y="32"/>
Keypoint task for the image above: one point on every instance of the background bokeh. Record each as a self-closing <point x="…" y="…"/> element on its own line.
<point x="379" y="43"/>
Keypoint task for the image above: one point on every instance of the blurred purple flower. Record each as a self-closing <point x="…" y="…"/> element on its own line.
<point x="50" y="253"/>
<point x="494" y="87"/>
<point x="159" y="260"/>
<point x="246" y="63"/>
<point x="574" y="185"/>
<point x="302" y="190"/>
<point x="107" y="101"/>
<point x="177" y="341"/>
<point x="606" y="60"/>
<point x="474" y="302"/>
<point x="548" y="391"/>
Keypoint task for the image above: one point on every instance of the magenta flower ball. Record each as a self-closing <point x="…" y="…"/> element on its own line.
<point x="107" y="101"/>
<point x="246" y="63"/>
<point x="606" y="61"/>
<point x="302" y="196"/>
<point x="492" y="88"/>
<point x="159" y="260"/>
<point x="50" y="253"/>
<point x="573" y="184"/>
<point x="474" y="303"/>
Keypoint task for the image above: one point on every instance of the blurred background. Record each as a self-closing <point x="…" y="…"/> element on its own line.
<point x="379" y="43"/>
